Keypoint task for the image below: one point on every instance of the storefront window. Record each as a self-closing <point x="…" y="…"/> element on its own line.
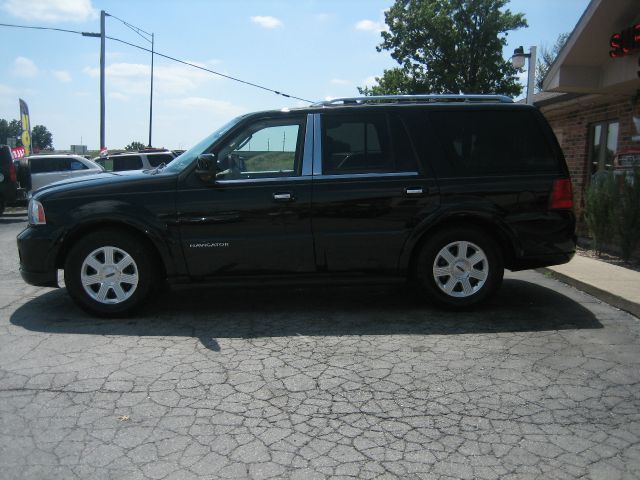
<point x="604" y="143"/>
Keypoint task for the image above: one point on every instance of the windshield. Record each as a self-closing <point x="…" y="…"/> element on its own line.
<point x="185" y="159"/>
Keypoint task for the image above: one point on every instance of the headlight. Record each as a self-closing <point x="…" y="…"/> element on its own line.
<point x="36" y="213"/>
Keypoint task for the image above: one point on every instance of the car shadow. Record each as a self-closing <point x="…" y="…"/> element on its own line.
<point x="210" y="314"/>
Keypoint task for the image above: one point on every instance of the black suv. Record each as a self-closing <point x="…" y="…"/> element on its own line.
<point x="444" y="190"/>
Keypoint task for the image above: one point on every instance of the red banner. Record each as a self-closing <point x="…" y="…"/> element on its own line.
<point x="17" y="152"/>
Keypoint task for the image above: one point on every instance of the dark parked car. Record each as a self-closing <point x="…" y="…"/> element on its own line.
<point x="444" y="190"/>
<point x="11" y="192"/>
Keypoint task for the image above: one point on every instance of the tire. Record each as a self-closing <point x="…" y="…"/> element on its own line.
<point x="2" y="205"/>
<point x="109" y="273"/>
<point x="459" y="267"/>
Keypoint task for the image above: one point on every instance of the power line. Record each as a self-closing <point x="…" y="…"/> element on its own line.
<point x="89" y="34"/>
<point x="210" y="71"/>
<point x="42" y="28"/>
<point x="132" y="27"/>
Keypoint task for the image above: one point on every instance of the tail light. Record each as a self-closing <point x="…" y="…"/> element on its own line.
<point x="561" y="197"/>
<point x="12" y="172"/>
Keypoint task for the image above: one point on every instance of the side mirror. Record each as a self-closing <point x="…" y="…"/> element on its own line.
<point x="206" y="167"/>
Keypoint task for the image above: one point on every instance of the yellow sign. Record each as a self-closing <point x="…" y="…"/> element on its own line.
<point x="26" y="128"/>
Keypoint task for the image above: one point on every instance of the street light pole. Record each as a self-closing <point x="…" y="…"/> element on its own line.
<point x="517" y="60"/>
<point x="151" y="95"/>
<point x="102" y="101"/>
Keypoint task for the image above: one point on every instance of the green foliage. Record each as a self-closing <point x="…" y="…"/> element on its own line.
<point x="599" y="205"/>
<point x="627" y="218"/>
<point x="9" y="129"/>
<point x="272" y="161"/>
<point x="546" y="56"/>
<point x="448" y="46"/>
<point x="41" y="138"/>
<point x="135" y="146"/>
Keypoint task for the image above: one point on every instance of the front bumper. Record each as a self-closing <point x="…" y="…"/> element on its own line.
<point x="37" y="250"/>
<point x="40" y="279"/>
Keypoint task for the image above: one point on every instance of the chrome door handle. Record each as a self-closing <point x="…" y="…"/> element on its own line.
<point x="282" y="197"/>
<point x="413" y="191"/>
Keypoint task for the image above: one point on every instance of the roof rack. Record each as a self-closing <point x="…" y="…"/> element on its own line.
<point x="414" y="99"/>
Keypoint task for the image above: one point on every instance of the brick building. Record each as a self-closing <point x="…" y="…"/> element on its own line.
<point x="591" y="96"/>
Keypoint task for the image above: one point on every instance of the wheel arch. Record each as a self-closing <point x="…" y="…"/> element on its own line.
<point x="83" y="229"/>
<point x="482" y="223"/>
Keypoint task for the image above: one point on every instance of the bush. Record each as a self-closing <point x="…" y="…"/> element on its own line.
<point x="599" y="205"/>
<point x="627" y="217"/>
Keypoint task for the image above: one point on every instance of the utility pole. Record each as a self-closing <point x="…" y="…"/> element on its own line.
<point x="151" y="97"/>
<point x="102" y="103"/>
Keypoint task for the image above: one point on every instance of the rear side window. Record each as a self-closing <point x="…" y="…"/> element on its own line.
<point x="484" y="142"/>
<point x="363" y="144"/>
<point x="49" y="165"/>
<point x="128" y="162"/>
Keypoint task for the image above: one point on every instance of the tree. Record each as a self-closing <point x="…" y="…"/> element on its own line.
<point x="41" y="138"/>
<point x="448" y="46"/>
<point x="135" y="146"/>
<point x="10" y="129"/>
<point x="546" y="57"/>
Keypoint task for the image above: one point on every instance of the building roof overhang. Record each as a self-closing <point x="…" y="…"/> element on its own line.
<point x="584" y="65"/>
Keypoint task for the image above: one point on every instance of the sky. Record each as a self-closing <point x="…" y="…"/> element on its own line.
<point x="312" y="49"/>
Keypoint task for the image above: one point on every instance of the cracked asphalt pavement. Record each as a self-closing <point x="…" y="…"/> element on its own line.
<point x="322" y="382"/>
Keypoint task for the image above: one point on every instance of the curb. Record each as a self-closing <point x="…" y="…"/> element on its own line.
<point x="612" y="299"/>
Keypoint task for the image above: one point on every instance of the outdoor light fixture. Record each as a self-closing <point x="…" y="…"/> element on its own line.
<point x="517" y="60"/>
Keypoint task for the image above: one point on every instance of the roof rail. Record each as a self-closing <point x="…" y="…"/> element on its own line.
<point x="413" y="99"/>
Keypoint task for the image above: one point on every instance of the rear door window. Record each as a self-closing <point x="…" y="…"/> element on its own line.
<point x="366" y="143"/>
<point x="126" y="162"/>
<point x="49" y="165"/>
<point x="492" y="142"/>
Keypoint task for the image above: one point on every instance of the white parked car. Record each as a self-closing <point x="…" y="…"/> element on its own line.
<point x="46" y="169"/>
<point x="141" y="160"/>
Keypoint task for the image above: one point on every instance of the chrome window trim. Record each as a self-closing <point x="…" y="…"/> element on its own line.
<point x="355" y="176"/>
<point x="317" y="145"/>
<point x="307" y="155"/>
<point x="241" y="181"/>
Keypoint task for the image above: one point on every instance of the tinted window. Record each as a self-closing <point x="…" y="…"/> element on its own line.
<point x="484" y="142"/>
<point x="126" y="162"/>
<point x="49" y="164"/>
<point x="156" y="160"/>
<point x="366" y="143"/>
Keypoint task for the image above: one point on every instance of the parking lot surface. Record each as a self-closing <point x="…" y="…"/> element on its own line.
<point x="318" y="382"/>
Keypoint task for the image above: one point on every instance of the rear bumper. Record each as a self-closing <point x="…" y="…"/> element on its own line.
<point x="526" y="263"/>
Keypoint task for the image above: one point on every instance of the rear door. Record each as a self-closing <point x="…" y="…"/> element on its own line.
<point x="368" y="191"/>
<point x="50" y="169"/>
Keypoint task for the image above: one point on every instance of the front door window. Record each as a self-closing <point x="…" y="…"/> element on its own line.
<point x="263" y="150"/>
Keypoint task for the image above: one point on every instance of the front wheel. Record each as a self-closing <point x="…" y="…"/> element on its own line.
<point x="459" y="267"/>
<point x="109" y="273"/>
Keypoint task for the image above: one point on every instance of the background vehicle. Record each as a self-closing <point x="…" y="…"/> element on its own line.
<point x="142" y="160"/>
<point x="444" y="190"/>
<point x="46" y="169"/>
<point x="8" y="179"/>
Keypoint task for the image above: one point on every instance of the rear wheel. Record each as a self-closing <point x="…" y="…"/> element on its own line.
<point x="1" y="205"/>
<point x="109" y="273"/>
<point x="459" y="267"/>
